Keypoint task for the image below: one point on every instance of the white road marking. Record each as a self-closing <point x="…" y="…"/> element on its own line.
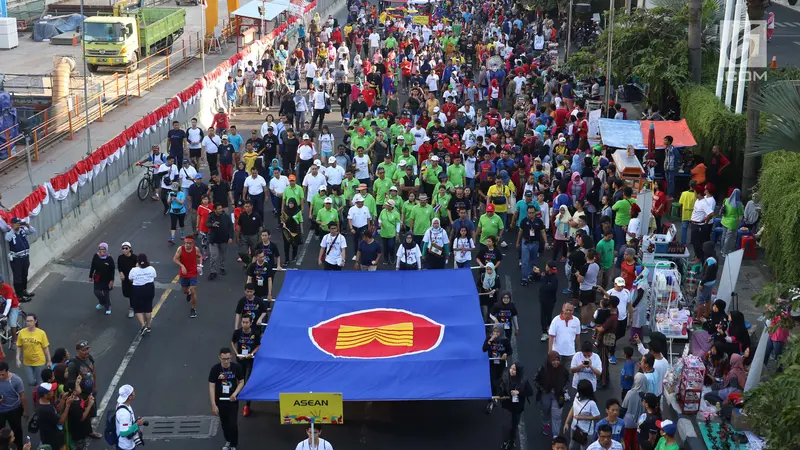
<point x="303" y="250"/>
<point x="523" y="434"/>
<point x="80" y="275"/>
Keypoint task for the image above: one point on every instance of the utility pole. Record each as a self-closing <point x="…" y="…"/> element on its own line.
<point x="569" y="32"/>
<point x="608" y="56"/>
<point x="85" y="86"/>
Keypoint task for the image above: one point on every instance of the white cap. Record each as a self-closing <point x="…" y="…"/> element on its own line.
<point x="358" y="198"/>
<point x="619" y="281"/>
<point x="434" y="158"/>
<point x="436" y="109"/>
<point x="331" y="160"/>
<point x="562" y="140"/>
<point x="390" y="203"/>
<point x="323" y="188"/>
<point x="401" y="163"/>
<point x="328" y="200"/>
<point x="401" y="137"/>
<point x="124" y="392"/>
<point x="305" y="136"/>
<point x="393" y="188"/>
<point x="317" y="163"/>
<point x="126" y="244"/>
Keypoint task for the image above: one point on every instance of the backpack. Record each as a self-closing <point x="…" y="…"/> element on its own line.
<point x="110" y="430"/>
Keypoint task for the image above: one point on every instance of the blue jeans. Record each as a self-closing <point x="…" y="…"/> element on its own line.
<point x="670" y="176"/>
<point x="276" y="202"/>
<point x="684" y="231"/>
<point x="773" y="347"/>
<point x="530" y="256"/>
<point x="619" y="237"/>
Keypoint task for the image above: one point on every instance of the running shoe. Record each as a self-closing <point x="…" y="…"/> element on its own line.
<point x="546" y="430"/>
<point x="98" y="307"/>
<point x="193" y="313"/>
<point x="246" y="411"/>
<point x="544" y="337"/>
<point x="612" y="360"/>
<point x="108" y="312"/>
<point x="130" y="313"/>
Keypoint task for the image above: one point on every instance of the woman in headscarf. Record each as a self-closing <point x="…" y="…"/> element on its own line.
<point x="562" y="231"/>
<point x="292" y="226"/>
<point x="732" y="213"/>
<point x="275" y="164"/>
<point x="632" y="408"/>
<point x="435" y="245"/>
<point x="143" y="277"/>
<point x="716" y="363"/>
<point x="733" y="382"/>
<point x="102" y="274"/>
<point x="488" y="286"/>
<point x="750" y="220"/>
<point x="552" y="392"/>
<point x="515" y="391"/>
<point x="409" y="257"/>
<point x="718" y="318"/>
<point x="639" y="301"/>
<point x="576" y="188"/>
<point x="736" y="337"/>
<point x="577" y="163"/>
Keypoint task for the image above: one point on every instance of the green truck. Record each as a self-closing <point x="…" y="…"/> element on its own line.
<point x="124" y="39"/>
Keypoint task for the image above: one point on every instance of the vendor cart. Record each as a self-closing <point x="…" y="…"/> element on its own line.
<point x="666" y="298"/>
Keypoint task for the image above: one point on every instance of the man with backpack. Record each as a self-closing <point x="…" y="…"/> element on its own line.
<point x="122" y="426"/>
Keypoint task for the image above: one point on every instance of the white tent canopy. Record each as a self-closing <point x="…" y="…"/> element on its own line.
<point x="271" y="9"/>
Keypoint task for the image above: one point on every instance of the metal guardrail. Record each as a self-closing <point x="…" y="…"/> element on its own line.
<point x="61" y="121"/>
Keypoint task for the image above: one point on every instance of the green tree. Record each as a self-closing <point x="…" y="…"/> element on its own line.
<point x="773" y="407"/>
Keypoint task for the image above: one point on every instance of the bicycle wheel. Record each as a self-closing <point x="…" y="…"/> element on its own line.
<point x="144" y="189"/>
<point x="21" y="319"/>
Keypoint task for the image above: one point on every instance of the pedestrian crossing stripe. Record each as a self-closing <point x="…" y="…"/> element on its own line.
<point x="787" y="24"/>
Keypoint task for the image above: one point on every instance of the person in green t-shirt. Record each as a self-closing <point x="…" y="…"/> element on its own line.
<point x="393" y="195"/>
<point x="605" y="258"/>
<point x="349" y="185"/>
<point x="521" y="208"/>
<point x="406" y="157"/>
<point x="431" y="174"/>
<point x="369" y="200"/>
<point x="293" y="191"/>
<point x="389" y="222"/>
<point x="443" y="181"/>
<point x="317" y="201"/>
<point x="405" y="211"/>
<point x="456" y="171"/>
<point x="325" y="216"/>
<point x="732" y="213"/>
<point x="421" y="217"/>
<point x="622" y="218"/>
<point x="440" y="201"/>
<point x="395" y="130"/>
<point x="388" y="166"/>
<point x="381" y="187"/>
<point x="668" y="430"/>
<point x="490" y="224"/>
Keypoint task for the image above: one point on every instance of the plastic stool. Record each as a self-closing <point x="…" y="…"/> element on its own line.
<point x="749" y="246"/>
<point x="676" y="210"/>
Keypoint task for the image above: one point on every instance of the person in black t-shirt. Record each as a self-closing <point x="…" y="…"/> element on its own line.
<point x="458" y="202"/>
<point x="260" y="274"/>
<point x="289" y="152"/>
<point x="270" y="145"/>
<point x="257" y="142"/>
<point x="271" y="254"/>
<point x="250" y="306"/>
<point x="499" y="349"/>
<point x="177" y="142"/>
<point x="225" y="381"/>
<point x="647" y="432"/>
<point x="220" y="191"/>
<point x="246" y="341"/>
<point x="489" y="253"/>
<point x="80" y="416"/>
<point x="51" y="422"/>
<point x="531" y="239"/>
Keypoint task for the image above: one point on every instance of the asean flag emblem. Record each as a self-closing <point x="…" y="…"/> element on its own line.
<point x="376" y="333"/>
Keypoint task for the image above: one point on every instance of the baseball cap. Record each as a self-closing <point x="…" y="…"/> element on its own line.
<point x="362" y="186"/>
<point x="16" y="220"/>
<point x="305" y="136"/>
<point x="390" y="203"/>
<point x="434" y="158"/>
<point x="126" y="244"/>
<point x="490" y="207"/>
<point x="362" y="130"/>
<point x="562" y="140"/>
<point x="423" y="196"/>
<point x="292" y="177"/>
<point x="124" y="392"/>
<point x="619" y="281"/>
<point x="649" y="398"/>
<point x="328" y="200"/>
<point x="436" y="109"/>
<point x="331" y="160"/>
<point x="318" y="163"/>
<point x="44" y="388"/>
<point x="528" y="193"/>
<point x="225" y="137"/>
<point x="668" y="426"/>
<point x="399" y="138"/>
<point x="199" y="176"/>
<point x="358" y="198"/>
<point x="393" y="188"/>
<point x="323" y="188"/>
<point x="85" y="344"/>
<point x="401" y="163"/>
<point x="186" y="161"/>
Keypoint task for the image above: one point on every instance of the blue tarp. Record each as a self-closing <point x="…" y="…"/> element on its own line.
<point x="407" y="335"/>
<point x="622" y="133"/>
<point x="47" y="28"/>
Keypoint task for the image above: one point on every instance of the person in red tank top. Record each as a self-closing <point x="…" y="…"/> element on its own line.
<point x="203" y="211"/>
<point x="190" y="261"/>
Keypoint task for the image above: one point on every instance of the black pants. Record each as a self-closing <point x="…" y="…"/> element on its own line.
<point x="212" y="159"/>
<point x="496" y="369"/>
<point x="165" y="199"/>
<point x="247" y="367"/>
<point x="622" y="328"/>
<point x="103" y="294"/>
<point x="304" y="167"/>
<point x="318" y="114"/>
<point x="434" y="261"/>
<point x="19" y="270"/>
<point x="333" y="267"/>
<point x="14" y="420"/>
<point x="512" y="433"/>
<point x="287" y="246"/>
<point x="546" y="312"/>
<point x="228" y="418"/>
<point x="700" y="234"/>
<point x="258" y="205"/>
<point x="357" y="234"/>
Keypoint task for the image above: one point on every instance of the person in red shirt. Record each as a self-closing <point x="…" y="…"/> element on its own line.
<point x="336" y="37"/>
<point x="560" y="116"/>
<point x="424" y="151"/>
<point x="7" y="292"/>
<point x="405" y="70"/>
<point x="450" y="108"/>
<point x="493" y="116"/>
<point x="659" y="205"/>
<point x="220" y="121"/>
<point x="369" y="95"/>
<point x="582" y="130"/>
<point x="203" y="211"/>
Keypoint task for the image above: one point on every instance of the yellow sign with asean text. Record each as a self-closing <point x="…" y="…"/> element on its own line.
<point x="421" y="20"/>
<point x="317" y="407"/>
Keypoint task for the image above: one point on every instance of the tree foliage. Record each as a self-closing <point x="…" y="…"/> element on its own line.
<point x="651" y="45"/>
<point x="773" y="407"/>
<point x="780" y="103"/>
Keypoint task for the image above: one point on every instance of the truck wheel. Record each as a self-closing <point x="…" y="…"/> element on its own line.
<point x="170" y="41"/>
<point x="91" y="67"/>
<point x="134" y="64"/>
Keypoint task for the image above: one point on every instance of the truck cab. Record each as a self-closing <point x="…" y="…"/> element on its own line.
<point x="111" y="41"/>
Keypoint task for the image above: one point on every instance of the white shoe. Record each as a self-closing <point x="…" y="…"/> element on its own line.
<point x="130" y="313"/>
<point x="227" y="446"/>
<point x="544" y="337"/>
<point x="353" y="259"/>
<point x="503" y="244"/>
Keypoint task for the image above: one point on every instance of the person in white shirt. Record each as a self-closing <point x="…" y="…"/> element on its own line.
<point x="313" y="180"/>
<point x="211" y="145"/>
<point x="254" y="187"/>
<point x="624" y="308"/>
<point x="582" y="415"/>
<point x="127" y="425"/>
<point x="311" y="71"/>
<point x="563" y="334"/>
<point x="374" y="42"/>
<point x="314" y="442"/>
<point x="194" y="136"/>
<point x="333" y="249"/>
<point x="438" y="114"/>
<point x="167" y="173"/>
<point x="277" y="184"/>
<point x="420" y="135"/>
<point x="305" y="154"/>
<point x="433" y="82"/>
<point x="260" y="92"/>
<point x="318" y="102"/>
<point x="142" y="277"/>
<point x="508" y="123"/>
<point x="586" y="365"/>
<point x="468" y="110"/>
<point x="186" y="174"/>
<point x="334" y="173"/>
<point x="604" y="441"/>
<point x="358" y="217"/>
<point x="660" y="364"/>
<point x="519" y="82"/>
<point x="409" y="257"/>
<point x="635" y="226"/>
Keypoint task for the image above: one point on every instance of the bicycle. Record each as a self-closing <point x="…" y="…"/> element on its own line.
<point x="5" y="329"/>
<point x="147" y="183"/>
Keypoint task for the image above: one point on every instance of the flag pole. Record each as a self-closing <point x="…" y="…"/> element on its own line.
<point x="203" y="6"/>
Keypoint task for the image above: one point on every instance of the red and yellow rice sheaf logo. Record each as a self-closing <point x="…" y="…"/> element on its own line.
<point x="376" y="333"/>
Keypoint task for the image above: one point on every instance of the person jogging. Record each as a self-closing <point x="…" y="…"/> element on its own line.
<point x="191" y="265"/>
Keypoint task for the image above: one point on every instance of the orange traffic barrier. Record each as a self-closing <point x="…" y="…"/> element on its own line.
<point x="774" y="63"/>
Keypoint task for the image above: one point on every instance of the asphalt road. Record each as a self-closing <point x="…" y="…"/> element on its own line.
<point x="169" y="368"/>
<point x="786" y="38"/>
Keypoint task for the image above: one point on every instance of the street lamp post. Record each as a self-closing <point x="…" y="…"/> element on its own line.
<point x="608" y="56"/>
<point x="85" y="86"/>
<point x="569" y="32"/>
